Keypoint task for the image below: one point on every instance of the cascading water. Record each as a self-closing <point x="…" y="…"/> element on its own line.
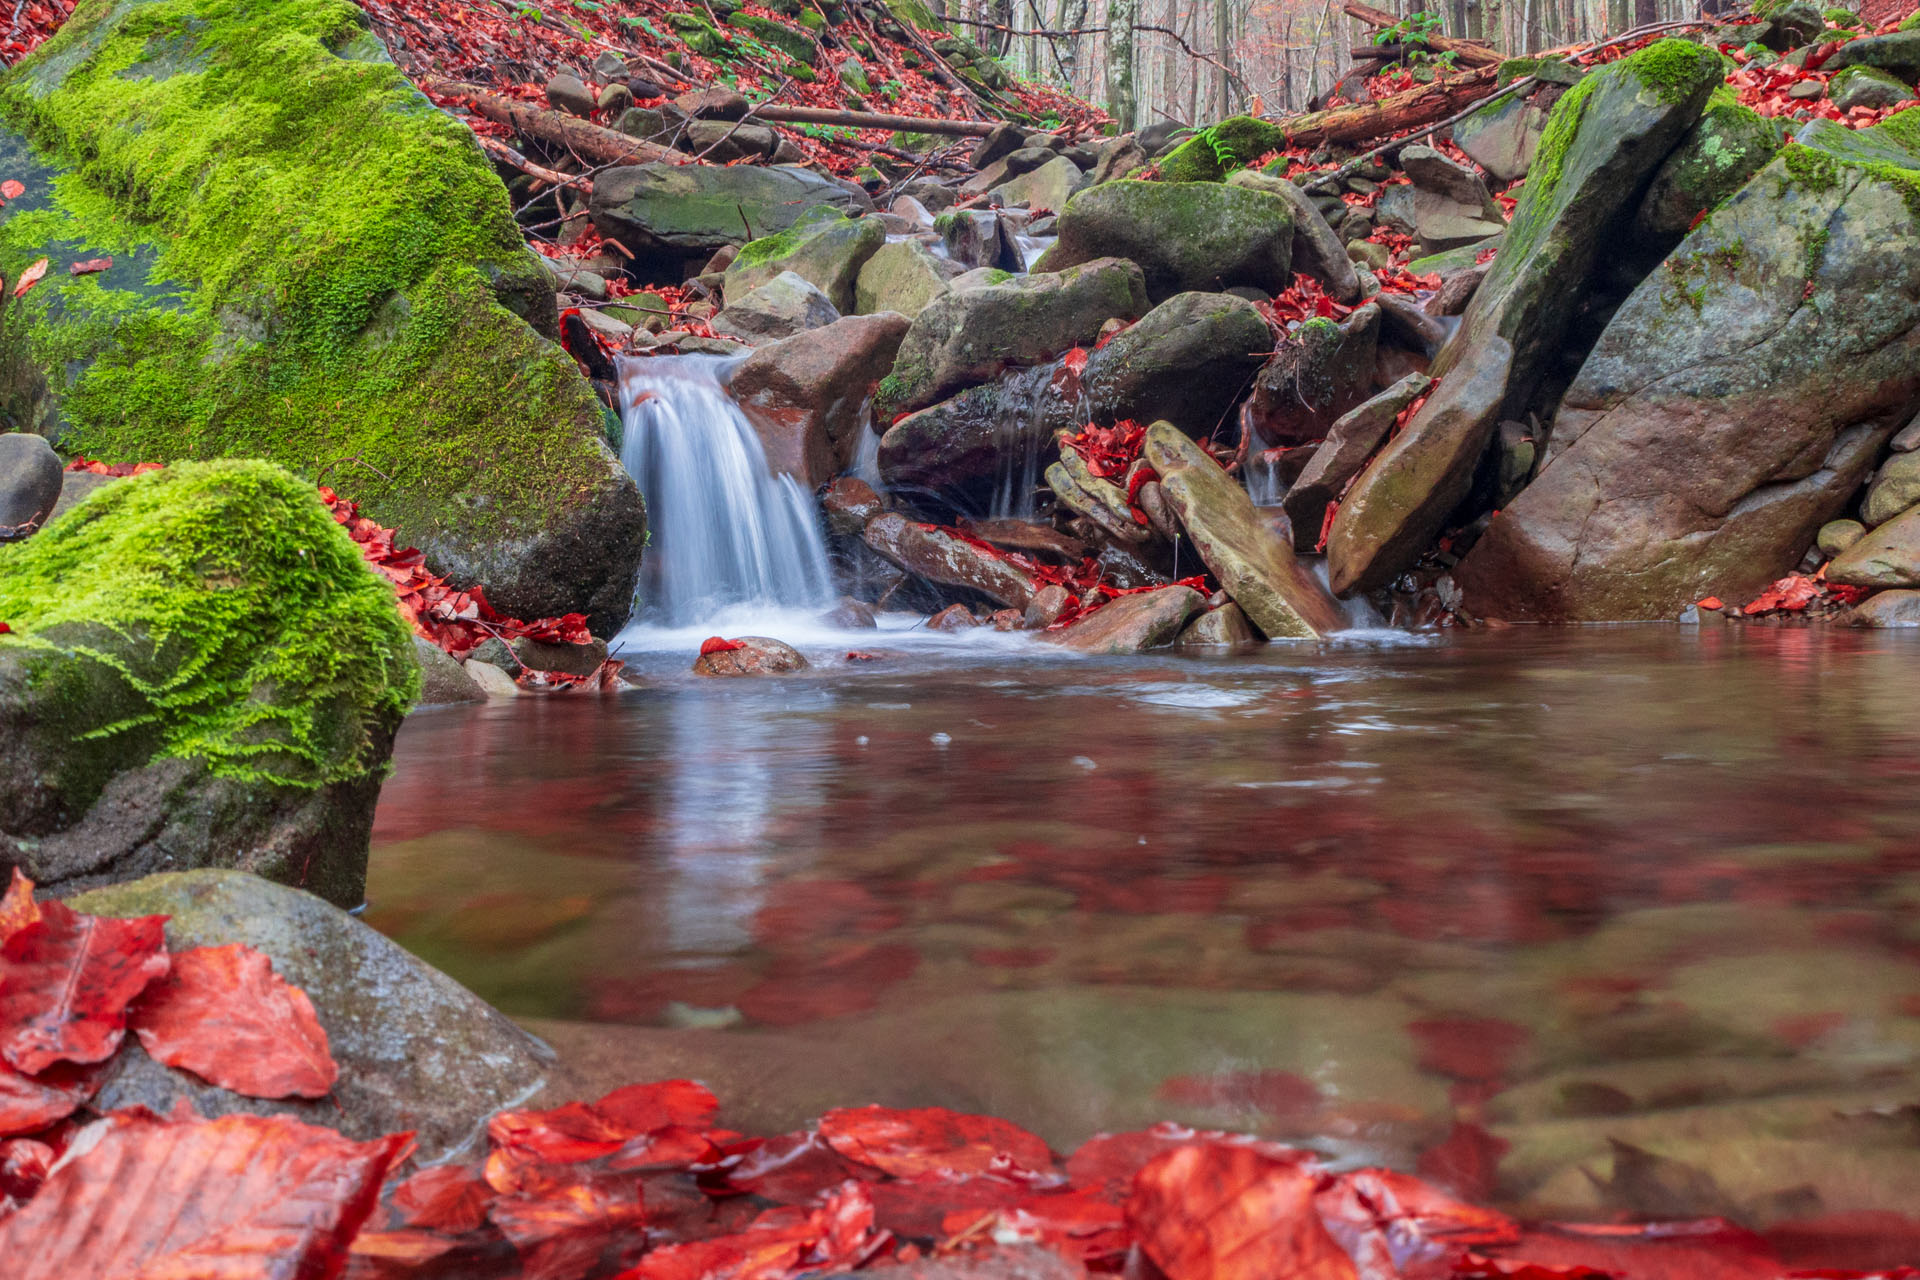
<point x="725" y="531"/>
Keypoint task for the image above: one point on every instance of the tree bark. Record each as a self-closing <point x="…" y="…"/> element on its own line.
<point x="1121" y="105"/>
<point x="1365" y="121"/>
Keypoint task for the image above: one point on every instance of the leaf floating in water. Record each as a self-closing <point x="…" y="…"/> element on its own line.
<point x="1217" y="1211"/>
<point x="932" y="1140"/>
<point x="226" y="1016"/>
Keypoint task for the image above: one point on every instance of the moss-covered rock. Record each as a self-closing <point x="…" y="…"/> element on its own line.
<point x="1219" y="149"/>
<point x="1866" y="87"/>
<point x="677" y="215"/>
<point x="796" y="44"/>
<point x="310" y="264"/>
<point x="825" y="248"/>
<point x="203" y="671"/>
<point x="1184" y="235"/>
<point x="1898" y="52"/>
<point x="1727" y="146"/>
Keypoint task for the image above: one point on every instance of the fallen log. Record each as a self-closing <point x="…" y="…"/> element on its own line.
<point x="1364" y="121"/>
<point x="582" y="137"/>
<point x="877" y="120"/>
<point x="1465" y="52"/>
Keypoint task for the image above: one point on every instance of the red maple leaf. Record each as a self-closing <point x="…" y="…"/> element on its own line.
<point x="927" y="1140"/>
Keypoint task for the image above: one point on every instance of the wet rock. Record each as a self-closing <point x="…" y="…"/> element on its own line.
<point x="195" y="617"/>
<point x="1048" y="186"/>
<point x="1257" y="569"/>
<point x="1411" y="324"/>
<point x="968" y="336"/>
<point x="1094" y="497"/>
<point x="972" y="239"/>
<point x="1322" y="370"/>
<point x="566" y="659"/>
<point x="851" y="615"/>
<point x="824" y="248"/>
<point x="1503" y="136"/>
<point x="1888" y="556"/>
<point x="1898" y="53"/>
<point x="783" y="306"/>
<point x="1188" y="361"/>
<point x="806" y="395"/>
<point x="848" y="504"/>
<point x="1725" y="147"/>
<point x="1317" y="251"/>
<point x="687" y="211"/>
<point x="940" y="557"/>
<point x="1029" y="538"/>
<point x="1895" y="489"/>
<point x="1006" y="620"/>
<point x="756" y="656"/>
<point x="492" y="681"/>
<point x="1897" y="608"/>
<point x="1185" y="236"/>
<point x="570" y="94"/>
<point x="955" y="617"/>
<point x="903" y="276"/>
<point x="416" y="1049"/>
<point x="1048" y="603"/>
<point x="442" y="680"/>
<point x="30" y="483"/>
<point x="1224" y="627"/>
<point x="1867" y="87"/>
<point x="1350" y="441"/>
<point x="964" y="446"/>
<point x="1603" y="140"/>
<point x="1133" y="624"/>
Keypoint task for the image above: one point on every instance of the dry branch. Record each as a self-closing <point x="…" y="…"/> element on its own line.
<point x="1466" y="52"/>
<point x="877" y="120"/>
<point x="1364" y="121"/>
<point x="582" y="137"/>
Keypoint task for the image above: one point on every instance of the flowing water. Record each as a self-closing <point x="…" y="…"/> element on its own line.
<point x="1645" y="884"/>
<point x="724" y="532"/>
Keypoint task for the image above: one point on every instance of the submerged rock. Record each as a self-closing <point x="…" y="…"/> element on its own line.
<point x="30" y="483"/>
<point x="1251" y="561"/>
<point x="1132" y="624"/>
<point x="416" y="1050"/>
<point x="1184" y="235"/>
<point x="1733" y="405"/>
<point x="806" y="396"/>
<point x="203" y="671"/>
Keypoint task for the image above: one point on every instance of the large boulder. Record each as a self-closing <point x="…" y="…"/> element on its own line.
<point x="1047" y="187"/>
<point x="1897" y="52"/>
<point x="675" y="213"/>
<point x="312" y="264"/>
<point x="807" y="396"/>
<point x="824" y="248"/>
<point x="30" y="484"/>
<point x="1133" y="624"/>
<point x="1185" y="235"/>
<point x="1317" y="251"/>
<point x="1349" y="442"/>
<point x="1502" y="136"/>
<point x="1604" y="139"/>
<point x="202" y="671"/>
<point x="1258" y="569"/>
<point x="970" y="335"/>
<point x="1725" y="147"/>
<point x="416" y="1050"/>
<point x="1320" y="371"/>
<point x="1886" y="557"/>
<point x="903" y="276"/>
<point x="1734" y="404"/>
<point x="940" y="557"/>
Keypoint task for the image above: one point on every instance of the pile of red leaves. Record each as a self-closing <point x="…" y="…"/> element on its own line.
<point x="1797" y="593"/>
<point x="31" y="26"/>
<point x="1107" y="451"/>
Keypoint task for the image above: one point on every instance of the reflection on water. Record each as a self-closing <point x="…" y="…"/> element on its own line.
<point x="1570" y="887"/>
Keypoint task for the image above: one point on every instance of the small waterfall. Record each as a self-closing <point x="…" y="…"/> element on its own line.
<point x="725" y="531"/>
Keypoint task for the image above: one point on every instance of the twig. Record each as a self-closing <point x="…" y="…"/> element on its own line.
<point x="498" y="148"/>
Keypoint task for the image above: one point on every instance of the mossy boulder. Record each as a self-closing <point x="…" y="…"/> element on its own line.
<point x="825" y="248"/>
<point x="1184" y="235"/>
<point x="792" y="41"/>
<point x="1735" y="402"/>
<point x="1219" y="149"/>
<point x="1603" y="141"/>
<point x="311" y="264"/>
<point x="1897" y="52"/>
<point x="1867" y="87"/>
<point x="903" y="276"/>
<point x="1726" y="146"/>
<point x="699" y="35"/>
<point x="203" y="671"/>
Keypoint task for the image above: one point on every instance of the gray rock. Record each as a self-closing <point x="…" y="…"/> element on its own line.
<point x="1185" y="236"/>
<point x="570" y="94"/>
<point x="30" y="484"/>
<point x="851" y="615"/>
<point x="1888" y="556"/>
<point x="973" y="239"/>
<point x="690" y="210"/>
<point x="1503" y="136"/>
<point x="1433" y="171"/>
<point x="442" y="680"/>
<point x="1898" y="53"/>
<point x="1133" y="624"/>
<point x="1003" y="141"/>
<point x="717" y="142"/>
<point x="1440" y="223"/>
<point x="1895" y="489"/>
<point x="1836" y="536"/>
<point x="806" y="396"/>
<point x="903" y="276"/>
<point x="1897" y="608"/>
<point x="1048" y="186"/>
<point x="778" y="308"/>
<point x="715" y="102"/>
<point x="492" y="680"/>
<point x="1725" y="147"/>
<point x="1350" y="441"/>
<point x="1867" y="87"/>
<point x="567" y="659"/>
<point x="823" y="248"/>
<point x="1317" y="251"/>
<point x="416" y="1050"/>
<point x="75" y="488"/>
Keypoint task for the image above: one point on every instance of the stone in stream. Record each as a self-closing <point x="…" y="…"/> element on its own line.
<point x="1278" y="594"/>
<point x="1132" y="624"/>
<point x="1321" y="370"/>
<point x="806" y="396"/>
<point x="1897" y="608"/>
<point x="1048" y="603"/>
<point x="1098" y="499"/>
<point x="1049" y="186"/>
<point x="783" y="306"/>
<point x="1350" y="441"/>
<point x="1184" y="235"/>
<point x="753" y="656"/>
<point x="30" y="483"/>
<point x="1836" y="536"/>
<point x="848" y="504"/>
<point x="955" y="617"/>
<point x="203" y="671"/>
<point x="1223" y="627"/>
<point x="688" y="211"/>
<point x="1725" y="147"/>
<point x="1604" y="138"/>
<point x="824" y="247"/>
<point x="1894" y="489"/>
<point x="973" y="239"/>
<point x="443" y="681"/>
<point x="851" y="615"/>
<point x="1734" y="404"/>
<point x="968" y="336"/>
<point x="939" y="557"/>
<point x="903" y="276"/>
<point x="566" y="659"/>
<point x="1886" y="557"/>
<point x="416" y="1050"/>
<point x="1187" y="361"/>
<point x="1317" y="251"/>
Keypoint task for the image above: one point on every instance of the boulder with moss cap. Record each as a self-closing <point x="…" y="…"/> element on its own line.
<point x="1184" y="235"/>
<point x="310" y="264"/>
<point x="202" y="671"/>
<point x="825" y="248"/>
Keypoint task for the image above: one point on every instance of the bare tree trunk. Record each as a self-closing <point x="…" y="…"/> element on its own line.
<point x="1121" y="104"/>
<point x="1645" y="11"/>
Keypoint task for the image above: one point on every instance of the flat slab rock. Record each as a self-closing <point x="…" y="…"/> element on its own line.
<point x="1132" y="624"/>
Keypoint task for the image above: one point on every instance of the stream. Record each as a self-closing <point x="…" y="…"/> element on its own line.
<point x="1649" y="884"/>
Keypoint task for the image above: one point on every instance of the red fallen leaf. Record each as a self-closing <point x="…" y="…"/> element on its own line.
<point x="926" y="1140"/>
<point x="563" y="1232"/>
<point x="1700" y="1249"/>
<point x="932" y="1207"/>
<point x="67" y="981"/>
<point x="1712" y="602"/>
<point x="24" y="1165"/>
<point x="29" y="278"/>
<point x="92" y="266"/>
<point x="444" y="1198"/>
<point x="29" y="1104"/>
<point x="565" y="1134"/>
<point x="674" y="1147"/>
<point x="225" y="1015"/>
<point x="1107" y="1162"/>
<point x="718" y="644"/>
<point x="17" y="907"/>
<point x="858" y="655"/>
<point x="12" y="189"/>
<point x="243" y="1195"/>
<point x="1218" y="1211"/>
<point x="1468" y="1161"/>
<point x="1078" y="1224"/>
<point x="838" y="1236"/>
<point x="382" y="1253"/>
<point x="642" y="1108"/>
<point x="1075" y="361"/>
<point x="1792" y="593"/>
<point x="1408" y="1206"/>
<point x="1467" y="1048"/>
<point x="792" y="1169"/>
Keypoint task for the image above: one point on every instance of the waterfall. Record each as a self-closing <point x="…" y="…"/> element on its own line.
<point x="725" y="531"/>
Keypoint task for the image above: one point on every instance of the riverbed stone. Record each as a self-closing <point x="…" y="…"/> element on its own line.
<point x="1350" y="441"/>
<point x="1133" y="624"/>
<point x="678" y="212"/>
<point x="1187" y="361"/>
<point x="1894" y="489"/>
<point x="756" y="656"/>
<point x="968" y="336"/>
<point x="806" y="396"/>
<point x="1224" y="627"/>
<point x="416" y="1050"/>
<point x="848" y="504"/>
<point x="1317" y="251"/>
<point x="1184" y="235"/>
<point x="30" y="483"/>
<point x="1896" y="608"/>
<point x="443" y="681"/>
<point x="1888" y="556"/>
<point x="824" y="248"/>
<point x="1279" y="595"/>
<point x="564" y="659"/>
<point x="783" y="306"/>
<point x="1733" y="405"/>
<point x="903" y="276"/>
<point x="940" y="557"/>
<point x="202" y="671"/>
<point x="1048" y="186"/>
<point x="1836" y="536"/>
<point x="1604" y="138"/>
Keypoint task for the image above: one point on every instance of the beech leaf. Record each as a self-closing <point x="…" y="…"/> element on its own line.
<point x="927" y="1140"/>
<point x="29" y="278"/>
<point x="17" y="907"/>
<point x="226" y="1016"/>
<point x="66" y="982"/>
<point x="1220" y="1211"/>
<point x="29" y="1104"/>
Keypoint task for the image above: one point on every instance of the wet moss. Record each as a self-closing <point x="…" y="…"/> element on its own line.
<point x="1219" y="149"/>
<point x="283" y="650"/>
<point x="1672" y="69"/>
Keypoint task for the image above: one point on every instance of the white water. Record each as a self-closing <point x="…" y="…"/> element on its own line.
<point x="725" y="531"/>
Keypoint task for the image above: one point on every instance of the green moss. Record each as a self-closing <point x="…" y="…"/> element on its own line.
<point x="277" y="649"/>
<point x="1904" y="126"/>
<point x="1810" y="167"/>
<point x="1911" y="22"/>
<point x="310" y="266"/>
<point x="1513" y="69"/>
<point x="1219" y="149"/>
<point x="1673" y="68"/>
<point x="1841" y="17"/>
<point x="1815" y="250"/>
<point x="1563" y="125"/>
<point x="996" y="276"/>
<point x="699" y="35"/>
<point x="796" y="44"/>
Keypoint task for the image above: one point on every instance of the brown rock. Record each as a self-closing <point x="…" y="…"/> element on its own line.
<point x="1134" y="623"/>
<point x="1897" y="608"/>
<point x="848" y="504"/>
<point x="1888" y="556"/>
<point x="955" y="617"/>
<point x="804" y="394"/>
<point x="757" y="656"/>
<point x="1048" y="603"/>
<point x="1029" y="538"/>
<point x="942" y="558"/>
<point x="713" y="103"/>
<point x="1224" y="626"/>
<point x="567" y="659"/>
<point x="1350" y="441"/>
